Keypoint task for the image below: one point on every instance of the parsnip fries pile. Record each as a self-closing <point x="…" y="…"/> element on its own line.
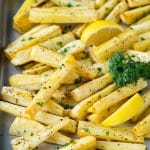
<point x="65" y="85"/>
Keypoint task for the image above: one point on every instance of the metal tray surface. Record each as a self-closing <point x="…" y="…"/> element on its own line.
<point x="7" y="34"/>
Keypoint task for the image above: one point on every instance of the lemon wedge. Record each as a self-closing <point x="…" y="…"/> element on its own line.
<point x="125" y="112"/>
<point x="99" y="32"/>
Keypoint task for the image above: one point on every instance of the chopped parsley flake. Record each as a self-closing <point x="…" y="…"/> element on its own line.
<point x="65" y="50"/>
<point x="66" y="144"/>
<point x="60" y="43"/>
<point x="31" y="134"/>
<point x="31" y="38"/>
<point x="40" y="104"/>
<point x="66" y="106"/>
<point x="142" y="39"/>
<point x="69" y="5"/>
<point x="107" y="133"/>
<point x="86" y="130"/>
<point x="99" y="69"/>
<point x="61" y="66"/>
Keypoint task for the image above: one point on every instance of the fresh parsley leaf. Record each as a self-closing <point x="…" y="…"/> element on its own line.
<point x="60" y="43"/>
<point x="142" y="39"/>
<point x="126" y="69"/>
<point x="40" y="104"/>
<point x="69" y="5"/>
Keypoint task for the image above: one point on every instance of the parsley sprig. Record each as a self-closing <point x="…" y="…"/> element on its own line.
<point x="126" y="69"/>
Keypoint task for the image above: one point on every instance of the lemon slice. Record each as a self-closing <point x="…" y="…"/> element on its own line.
<point x="99" y="32"/>
<point x="125" y="112"/>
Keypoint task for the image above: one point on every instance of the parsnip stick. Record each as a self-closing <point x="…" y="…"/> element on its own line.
<point x="143" y="56"/>
<point x="48" y="4"/>
<point x="146" y="18"/>
<point x="142" y="127"/>
<point x="142" y="45"/>
<point x="105" y="9"/>
<point x="27" y="82"/>
<point x="42" y="116"/>
<point x="86" y="70"/>
<point x="21" y="20"/>
<point x="30" y="142"/>
<point x="132" y="16"/>
<point x="68" y="3"/>
<point x="24" y="98"/>
<point x="90" y="87"/>
<point x="73" y="47"/>
<point x="108" y="133"/>
<point x="84" y="143"/>
<point x="137" y="3"/>
<point x="62" y="15"/>
<point x="23" y="126"/>
<point x="147" y="136"/>
<point x="144" y="36"/>
<point x="53" y="83"/>
<point x="80" y="111"/>
<point x="115" y="13"/>
<point x="107" y="145"/>
<point x="120" y="43"/>
<point x="78" y="29"/>
<point x="58" y="42"/>
<point x="99" y="3"/>
<point x="21" y="57"/>
<point x="37" y="69"/>
<point x="118" y="96"/>
<point x="37" y="35"/>
<point x="45" y="56"/>
<point x="98" y="118"/>
<point x="141" y="27"/>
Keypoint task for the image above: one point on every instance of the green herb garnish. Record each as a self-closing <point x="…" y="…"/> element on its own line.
<point x="66" y="144"/>
<point x="40" y="104"/>
<point x="142" y="39"/>
<point x="66" y="106"/>
<point x="60" y="43"/>
<point x="31" y="38"/>
<point x="126" y="69"/>
<point x="86" y="130"/>
<point x="107" y="133"/>
<point x="77" y="81"/>
<point x="31" y="134"/>
<point x="107" y="10"/>
<point x="69" y="5"/>
<point x="61" y="66"/>
<point x="99" y="69"/>
<point x="65" y="50"/>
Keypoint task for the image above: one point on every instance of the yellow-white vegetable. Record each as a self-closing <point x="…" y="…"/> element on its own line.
<point x="30" y="142"/>
<point x="107" y="145"/>
<point x="62" y="15"/>
<point x="137" y="3"/>
<point x="108" y="133"/>
<point x="23" y="126"/>
<point x="142" y="127"/>
<point x="118" y="95"/>
<point x="51" y="85"/>
<point x="133" y="15"/>
<point x="33" y="37"/>
<point x="105" y="9"/>
<point x="115" y="13"/>
<point x="80" y="111"/>
<point x="84" y="143"/>
<point x="90" y="87"/>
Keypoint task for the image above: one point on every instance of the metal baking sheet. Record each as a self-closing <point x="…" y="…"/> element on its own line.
<point x="7" y="34"/>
